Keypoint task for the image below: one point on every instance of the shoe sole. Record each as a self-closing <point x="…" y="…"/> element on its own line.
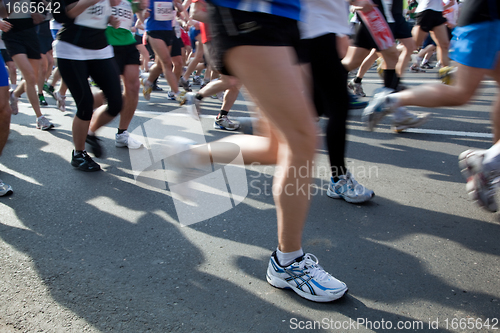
<point x="8" y="192"/>
<point x="78" y="167"/>
<point x="124" y="145"/>
<point x="217" y="126"/>
<point x="280" y="284"/>
<point x="45" y="128"/>
<point x="334" y="195"/>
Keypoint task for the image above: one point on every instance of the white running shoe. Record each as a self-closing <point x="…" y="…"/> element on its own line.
<point x="146" y="89"/>
<point x="308" y="279"/>
<point x="378" y="108"/>
<point x="193" y="104"/>
<point x="5" y="189"/>
<point x="125" y="140"/>
<point x="404" y="119"/>
<point x="480" y="185"/>
<point x="60" y="100"/>
<point x="13" y="103"/>
<point x="43" y="123"/>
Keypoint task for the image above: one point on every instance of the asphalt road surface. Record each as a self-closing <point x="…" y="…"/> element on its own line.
<point x="103" y="252"/>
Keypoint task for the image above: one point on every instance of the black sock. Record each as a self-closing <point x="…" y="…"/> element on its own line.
<point x="51" y="88"/>
<point x="390" y="79"/>
<point x="222" y="113"/>
<point x="40" y="95"/>
<point x="120" y="131"/>
<point x="358" y="79"/>
<point x="78" y="152"/>
<point x="198" y="96"/>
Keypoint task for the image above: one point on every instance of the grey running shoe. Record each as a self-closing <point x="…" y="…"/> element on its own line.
<point x="193" y="104"/>
<point x="378" y="108"/>
<point x="224" y="123"/>
<point x="404" y="119"/>
<point x="184" y="84"/>
<point x="43" y="123"/>
<point x="416" y="69"/>
<point x="349" y="189"/>
<point x="5" y="189"/>
<point x="13" y="103"/>
<point x="480" y="185"/>
<point x="197" y="80"/>
<point x="356" y="88"/>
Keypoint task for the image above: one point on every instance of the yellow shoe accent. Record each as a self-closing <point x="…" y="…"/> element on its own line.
<point x="447" y="74"/>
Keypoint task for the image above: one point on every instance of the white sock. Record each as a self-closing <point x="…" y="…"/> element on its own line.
<point x="91" y="133"/>
<point x="287" y="258"/>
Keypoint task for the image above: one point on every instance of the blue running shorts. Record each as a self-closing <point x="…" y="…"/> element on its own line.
<point x="4" y="76"/>
<point x="476" y="45"/>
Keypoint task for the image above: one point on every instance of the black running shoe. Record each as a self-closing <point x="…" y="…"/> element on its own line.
<point x="95" y="146"/>
<point x="426" y="66"/>
<point x="157" y="87"/>
<point x="84" y="162"/>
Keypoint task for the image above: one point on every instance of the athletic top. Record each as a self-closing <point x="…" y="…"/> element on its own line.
<point x="436" y="5"/>
<point x="84" y="38"/>
<point x="451" y="13"/>
<point x="476" y="11"/>
<point x="87" y="29"/>
<point x="161" y="14"/>
<point x="321" y="17"/>
<point x="122" y="35"/>
<point x="284" y="8"/>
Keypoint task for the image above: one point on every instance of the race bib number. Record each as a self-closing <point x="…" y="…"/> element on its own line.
<point x="164" y="11"/>
<point x="95" y="16"/>
<point x="123" y="12"/>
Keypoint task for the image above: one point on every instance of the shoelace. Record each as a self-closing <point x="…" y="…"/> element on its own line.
<point x="87" y="158"/>
<point x="226" y="119"/>
<point x="310" y="262"/>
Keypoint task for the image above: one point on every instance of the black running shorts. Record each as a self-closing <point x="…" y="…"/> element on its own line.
<point x="429" y="19"/>
<point x="231" y="28"/>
